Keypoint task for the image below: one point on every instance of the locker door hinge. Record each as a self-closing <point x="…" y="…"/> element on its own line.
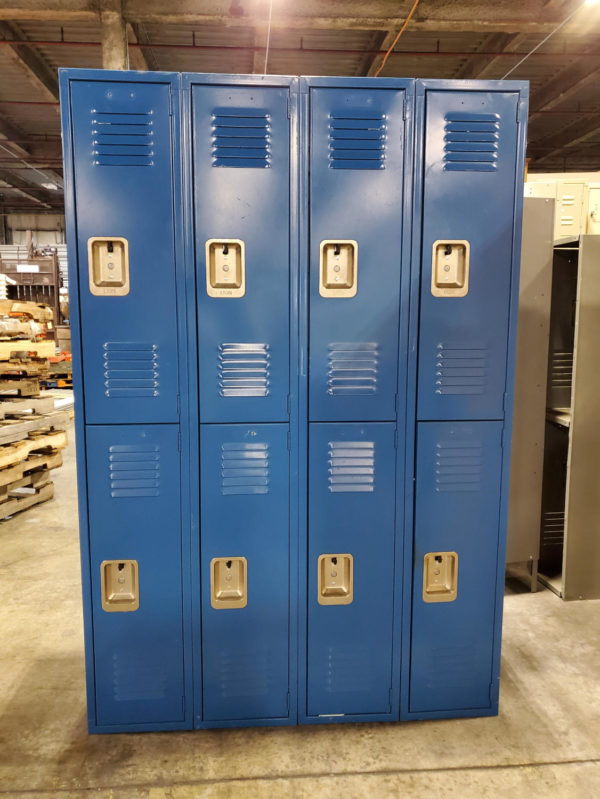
<point x="289" y="107"/>
<point x="395" y="438"/>
<point x="289" y="439"/>
<point x="170" y="104"/>
<point x="518" y="109"/>
<point x="391" y="698"/>
<point x="404" y="106"/>
<point x="178" y="405"/>
<point x="396" y="403"/>
<point x="504" y="403"/>
<point x="288" y="404"/>
<point x="287" y="703"/>
<point x="179" y="441"/>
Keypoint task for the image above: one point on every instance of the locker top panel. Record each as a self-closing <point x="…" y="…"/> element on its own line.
<point x="217" y="79"/>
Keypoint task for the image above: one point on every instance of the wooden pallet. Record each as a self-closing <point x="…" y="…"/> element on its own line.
<point x="17" y="451"/>
<point x="19" y="406"/>
<point x="42" y="349"/>
<point x="18" y="429"/>
<point x="24" y="497"/>
<point x="34" y="462"/>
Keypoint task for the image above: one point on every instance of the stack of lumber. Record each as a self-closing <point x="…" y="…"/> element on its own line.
<point x="24" y="352"/>
<point x="60" y="371"/>
<point x="32" y="435"/>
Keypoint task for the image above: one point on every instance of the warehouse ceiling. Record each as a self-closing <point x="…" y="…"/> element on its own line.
<point x="444" y="39"/>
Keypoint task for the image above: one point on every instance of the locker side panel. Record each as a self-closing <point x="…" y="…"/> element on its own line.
<point x="245" y="514"/>
<point x="356" y="193"/>
<point x="351" y="511"/>
<point x="458" y="477"/>
<point x="469" y="187"/>
<point x="134" y="514"/>
<point x="123" y="175"/>
<point x="241" y="161"/>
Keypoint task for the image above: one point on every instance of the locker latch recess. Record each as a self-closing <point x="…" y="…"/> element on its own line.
<point x="338" y="268"/>
<point x="225" y="268"/>
<point x="108" y="264"/>
<point x="335" y="579"/>
<point x="119" y="585"/>
<point x="450" y="268"/>
<point x="228" y="583"/>
<point x="440" y="577"/>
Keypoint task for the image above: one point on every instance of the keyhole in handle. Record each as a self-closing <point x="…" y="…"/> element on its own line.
<point x="334" y="561"/>
<point x="225" y="249"/>
<point x="109" y="246"/>
<point x="447" y="250"/>
<point x="228" y="564"/>
<point x="336" y="249"/>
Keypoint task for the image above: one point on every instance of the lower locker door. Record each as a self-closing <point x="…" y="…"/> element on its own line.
<point x="134" y="515"/>
<point x="351" y="513"/>
<point x="456" y="511"/>
<point x="245" y="571"/>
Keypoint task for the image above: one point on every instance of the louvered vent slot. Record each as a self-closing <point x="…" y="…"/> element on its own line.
<point x="134" y="470"/>
<point x="553" y="528"/>
<point x="561" y="370"/>
<point x="457" y="467"/>
<point x="130" y="369"/>
<point x="122" y="138"/>
<point x="244" y="468"/>
<point x="357" y="142"/>
<point x="451" y="666"/>
<point x="242" y="674"/>
<point x="461" y="371"/>
<point x="137" y="679"/>
<point x="353" y="368"/>
<point x="349" y="668"/>
<point x="351" y="466"/>
<point x="471" y="142"/>
<point x="243" y="370"/>
<point x="241" y="138"/>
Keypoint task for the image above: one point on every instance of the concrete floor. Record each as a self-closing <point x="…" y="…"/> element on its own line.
<point x="546" y="740"/>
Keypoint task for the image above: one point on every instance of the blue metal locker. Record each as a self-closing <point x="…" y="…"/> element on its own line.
<point x="457" y="502"/>
<point x="469" y="163"/>
<point x="241" y="179"/>
<point x="123" y="201"/>
<point x="245" y="513"/>
<point x="351" y="513"/>
<point x="293" y="305"/>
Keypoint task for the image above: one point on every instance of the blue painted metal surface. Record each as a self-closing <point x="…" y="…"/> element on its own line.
<point x="241" y="162"/>
<point x="356" y="185"/>
<point x="352" y="510"/>
<point x="326" y="447"/>
<point x="126" y="189"/>
<point x="456" y="509"/>
<point x="245" y="512"/>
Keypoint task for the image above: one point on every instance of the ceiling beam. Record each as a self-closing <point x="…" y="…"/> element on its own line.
<point x="383" y="42"/>
<point x="20" y="152"/>
<point x="22" y="187"/>
<point x="478" y="64"/>
<point x="560" y="143"/>
<point x="113" y="35"/>
<point x="140" y="36"/>
<point x="448" y="15"/>
<point x="29" y="59"/>
<point x="582" y="74"/>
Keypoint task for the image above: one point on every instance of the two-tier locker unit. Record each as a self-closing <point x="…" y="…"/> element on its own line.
<point x="293" y="309"/>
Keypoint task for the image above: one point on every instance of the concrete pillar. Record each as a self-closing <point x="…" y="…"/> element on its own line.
<point x="114" y="36"/>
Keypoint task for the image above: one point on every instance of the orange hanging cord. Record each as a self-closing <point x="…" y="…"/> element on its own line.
<point x="395" y="42"/>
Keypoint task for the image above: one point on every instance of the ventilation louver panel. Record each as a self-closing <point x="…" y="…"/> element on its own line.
<point x="122" y="138"/>
<point x="244" y="468"/>
<point x="244" y="370"/>
<point x="352" y="368"/>
<point x="351" y="466"/>
<point x="357" y="142"/>
<point x="241" y="138"/>
<point x="471" y="142"/>
<point x="458" y="467"/>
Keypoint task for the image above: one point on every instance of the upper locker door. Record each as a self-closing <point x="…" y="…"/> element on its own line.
<point x="356" y="195"/>
<point x="241" y="144"/>
<point x="122" y="142"/>
<point x="467" y="215"/>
